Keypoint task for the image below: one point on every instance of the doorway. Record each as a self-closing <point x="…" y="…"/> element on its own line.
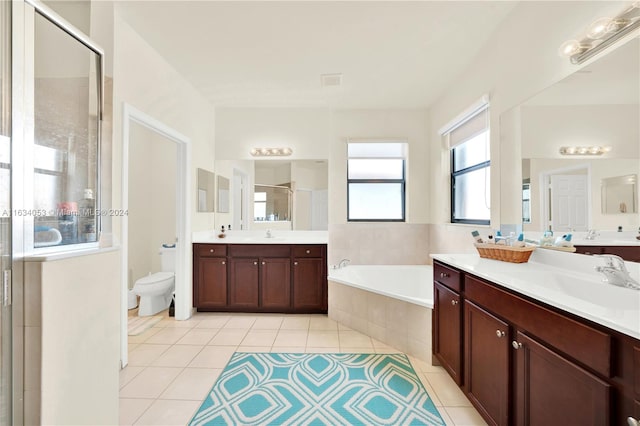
<point x="566" y="199"/>
<point x="133" y="117"/>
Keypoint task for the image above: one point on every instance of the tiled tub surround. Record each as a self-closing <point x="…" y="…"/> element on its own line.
<point x="379" y="243"/>
<point x="403" y="324"/>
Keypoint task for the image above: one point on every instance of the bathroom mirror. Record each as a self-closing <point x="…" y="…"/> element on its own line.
<point x="223" y="194"/>
<point x="598" y="105"/>
<point x="206" y="188"/>
<point x="619" y="194"/>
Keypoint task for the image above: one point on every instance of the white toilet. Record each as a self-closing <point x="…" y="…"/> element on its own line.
<point x="156" y="290"/>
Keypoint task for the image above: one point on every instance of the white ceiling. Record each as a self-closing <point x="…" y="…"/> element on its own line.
<point x="392" y="54"/>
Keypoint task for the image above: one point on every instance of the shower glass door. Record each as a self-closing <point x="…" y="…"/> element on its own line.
<point x="6" y="365"/>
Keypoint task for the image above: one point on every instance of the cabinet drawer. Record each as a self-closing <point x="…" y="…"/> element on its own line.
<point x="447" y="276"/>
<point x="585" y="344"/>
<point x="211" y="250"/>
<point x="259" y="250"/>
<point x="308" y="251"/>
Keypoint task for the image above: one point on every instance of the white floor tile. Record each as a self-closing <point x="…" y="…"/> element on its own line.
<point x="145" y="354"/>
<point x="213" y="357"/>
<point x="295" y="323"/>
<point x="213" y="321"/>
<point x="321" y="339"/>
<point x="446" y="390"/>
<point x="268" y="323"/>
<point x="169" y="412"/>
<point x="240" y="322"/>
<point x="465" y="416"/>
<point x="168" y="336"/>
<point x="192" y="384"/>
<point x="177" y="356"/>
<point x="322" y="323"/>
<point x="355" y="339"/>
<point x="288" y="349"/>
<point x="144" y="336"/>
<point x="198" y="336"/>
<point x="131" y="409"/>
<point x="259" y="338"/>
<point x="255" y="349"/>
<point x="128" y="373"/>
<point x="291" y="338"/>
<point x="228" y="337"/>
<point x="327" y="350"/>
<point x="150" y="383"/>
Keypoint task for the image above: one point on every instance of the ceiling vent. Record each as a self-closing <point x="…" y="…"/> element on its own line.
<point x="331" y="80"/>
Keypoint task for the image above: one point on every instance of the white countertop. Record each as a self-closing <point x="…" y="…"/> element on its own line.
<point x="259" y="237"/>
<point x="565" y="281"/>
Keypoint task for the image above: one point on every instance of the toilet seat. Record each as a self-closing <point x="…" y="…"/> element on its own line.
<point x="155" y="278"/>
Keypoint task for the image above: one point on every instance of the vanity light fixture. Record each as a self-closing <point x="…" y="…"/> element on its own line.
<point x="271" y="152"/>
<point x="584" y="150"/>
<point x="602" y="33"/>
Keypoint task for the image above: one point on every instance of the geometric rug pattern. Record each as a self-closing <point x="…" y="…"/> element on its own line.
<point x="317" y="389"/>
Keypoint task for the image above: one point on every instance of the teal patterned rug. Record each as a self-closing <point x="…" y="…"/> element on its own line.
<point x="317" y="389"/>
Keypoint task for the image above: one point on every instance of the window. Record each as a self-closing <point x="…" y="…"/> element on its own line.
<point x="468" y="141"/>
<point x="66" y="148"/>
<point x="376" y="181"/>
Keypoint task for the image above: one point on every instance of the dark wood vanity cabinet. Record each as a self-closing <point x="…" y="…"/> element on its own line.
<point x="527" y="363"/>
<point x="629" y="253"/>
<point x="261" y="278"/>
<point x="210" y="270"/>
<point x="447" y="329"/>
<point x="486" y="347"/>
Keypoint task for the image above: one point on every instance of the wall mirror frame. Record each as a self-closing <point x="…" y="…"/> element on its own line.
<point x="597" y="105"/>
<point x="206" y="191"/>
<point x="620" y="194"/>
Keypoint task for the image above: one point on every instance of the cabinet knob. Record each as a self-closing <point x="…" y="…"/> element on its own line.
<point x="633" y="422"/>
<point x="255" y="263"/>
<point x="211" y="251"/>
<point x="516" y="345"/>
<point x="454" y="302"/>
<point x="263" y="263"/>
<point x="499" y="333"/>
<point x="444" y="275"/>
<point x="295" y="263"/>
<point x="224" y="263"/>
<point x="308" y="251"/>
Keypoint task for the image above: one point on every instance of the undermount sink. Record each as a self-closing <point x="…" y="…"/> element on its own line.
<point x="596" y="292"/>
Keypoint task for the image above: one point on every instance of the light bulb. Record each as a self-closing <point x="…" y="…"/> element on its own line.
<point x="599" y="28"/>
<point x="254" y="152"/>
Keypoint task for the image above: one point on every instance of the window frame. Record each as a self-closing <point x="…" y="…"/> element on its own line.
<point x="467" y="125"/>
<point x="402" y="182"/>
<point x="53" y="18"/>
<point x="462" y="172"/>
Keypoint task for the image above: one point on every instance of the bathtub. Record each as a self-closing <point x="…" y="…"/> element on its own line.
<point x="390" y="303"/>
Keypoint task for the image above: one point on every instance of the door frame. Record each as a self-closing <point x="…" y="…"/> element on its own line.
<point x="183" y="218"/>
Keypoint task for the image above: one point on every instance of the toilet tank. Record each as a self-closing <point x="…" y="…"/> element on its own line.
<point x="168" y="258"/>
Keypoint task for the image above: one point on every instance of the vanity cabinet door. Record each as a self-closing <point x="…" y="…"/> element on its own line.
<point x="211" y="286"/>
<point x="275" y="279"/>
<point x="309" y="284"/>
<point x="243" y="283"/>
<point x="447" y="341"/>
<point x="551" y="390"/>
<point x="486" y="372"/>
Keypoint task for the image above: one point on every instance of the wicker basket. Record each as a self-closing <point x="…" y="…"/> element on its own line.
<point x="505" y="253"/>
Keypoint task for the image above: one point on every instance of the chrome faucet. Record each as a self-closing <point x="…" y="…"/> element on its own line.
<point x="343" y="263"/>
<point x="615" y="272"/>
<point x="591" y="234"/>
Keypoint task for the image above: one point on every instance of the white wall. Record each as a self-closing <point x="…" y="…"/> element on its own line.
<point x="518" y="61"/>
<point x="72" y="334"/>
<point x="307" y="131"/>
<point x="143" y="79"/>
<point x="407" y="124"/>
<point x="545" y="128"/>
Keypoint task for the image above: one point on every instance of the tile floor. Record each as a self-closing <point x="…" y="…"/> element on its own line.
<point x="173" y="365"/>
